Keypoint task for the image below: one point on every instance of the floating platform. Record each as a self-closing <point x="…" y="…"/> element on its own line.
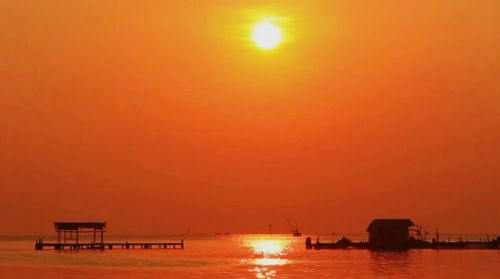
<point x="40" y="245"/>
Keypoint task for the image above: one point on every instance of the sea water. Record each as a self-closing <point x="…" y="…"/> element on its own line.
<point x="241" y="256"/>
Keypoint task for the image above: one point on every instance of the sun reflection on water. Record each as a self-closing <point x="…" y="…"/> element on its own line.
<point x="266" y="254"/>
<point x="269" y="261"/>
<point x="268" y="247"/>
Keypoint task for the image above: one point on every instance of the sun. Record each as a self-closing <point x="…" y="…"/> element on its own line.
<point x="267" y="35"/>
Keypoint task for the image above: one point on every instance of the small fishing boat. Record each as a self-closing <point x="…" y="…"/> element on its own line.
<point x="295" y="230"/>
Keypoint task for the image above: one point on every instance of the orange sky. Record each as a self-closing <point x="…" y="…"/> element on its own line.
<point x="165" y="114"/>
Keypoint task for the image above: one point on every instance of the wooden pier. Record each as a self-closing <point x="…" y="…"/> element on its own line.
<point x="68" y="238"/>
<point x="401" y="234"/>
<point x="40" y="245"/>
<point x="345" y="243"/>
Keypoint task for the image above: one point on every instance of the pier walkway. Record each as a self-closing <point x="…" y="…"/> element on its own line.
<point x="40" y="245"/>
<point x="68" y="238"/>
<point x="345" y="243"/>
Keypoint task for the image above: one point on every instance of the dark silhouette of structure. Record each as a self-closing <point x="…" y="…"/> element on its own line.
<point x="70" y="231"/>
<point x="401" y="234"/>
<point x="68" y="237"/>
<point x="389" y="233"/>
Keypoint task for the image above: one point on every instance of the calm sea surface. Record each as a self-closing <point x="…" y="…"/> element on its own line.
<point x="242" y="256"/>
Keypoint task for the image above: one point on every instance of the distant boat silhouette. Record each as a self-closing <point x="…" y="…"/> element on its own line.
<point x="295" y="230"/>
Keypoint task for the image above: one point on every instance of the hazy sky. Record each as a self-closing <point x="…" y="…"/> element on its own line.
<point x="156" y="116"/>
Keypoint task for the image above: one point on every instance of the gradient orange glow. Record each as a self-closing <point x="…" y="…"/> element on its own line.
<point x="165" y="113"/>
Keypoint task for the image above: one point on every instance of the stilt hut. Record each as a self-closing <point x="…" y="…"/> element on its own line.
<point x="389" y="233"/>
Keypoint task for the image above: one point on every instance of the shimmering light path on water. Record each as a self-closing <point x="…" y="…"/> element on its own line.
<point x="244" y="256"/>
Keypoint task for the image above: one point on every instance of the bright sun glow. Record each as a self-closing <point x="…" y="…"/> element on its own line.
<point x="267" y="247"/>
<point x="267" y="35"/>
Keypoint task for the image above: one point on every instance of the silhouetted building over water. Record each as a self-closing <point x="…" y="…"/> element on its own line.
<point x="401" y="234"/>
<point x="389" y="233"/>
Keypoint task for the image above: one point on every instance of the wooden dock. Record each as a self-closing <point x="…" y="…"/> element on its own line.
<point x="402" y="234"/>
<point x="345" y="243"/>
<point x="40" y="245"/>
<point x="68" y="238"/>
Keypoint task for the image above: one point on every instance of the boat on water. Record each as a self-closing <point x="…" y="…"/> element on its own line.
<point x="295" y="230"/>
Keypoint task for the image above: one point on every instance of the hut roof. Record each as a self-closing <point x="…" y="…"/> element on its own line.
<point x="79" y="225"/>
<point x="390" y="223"/>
